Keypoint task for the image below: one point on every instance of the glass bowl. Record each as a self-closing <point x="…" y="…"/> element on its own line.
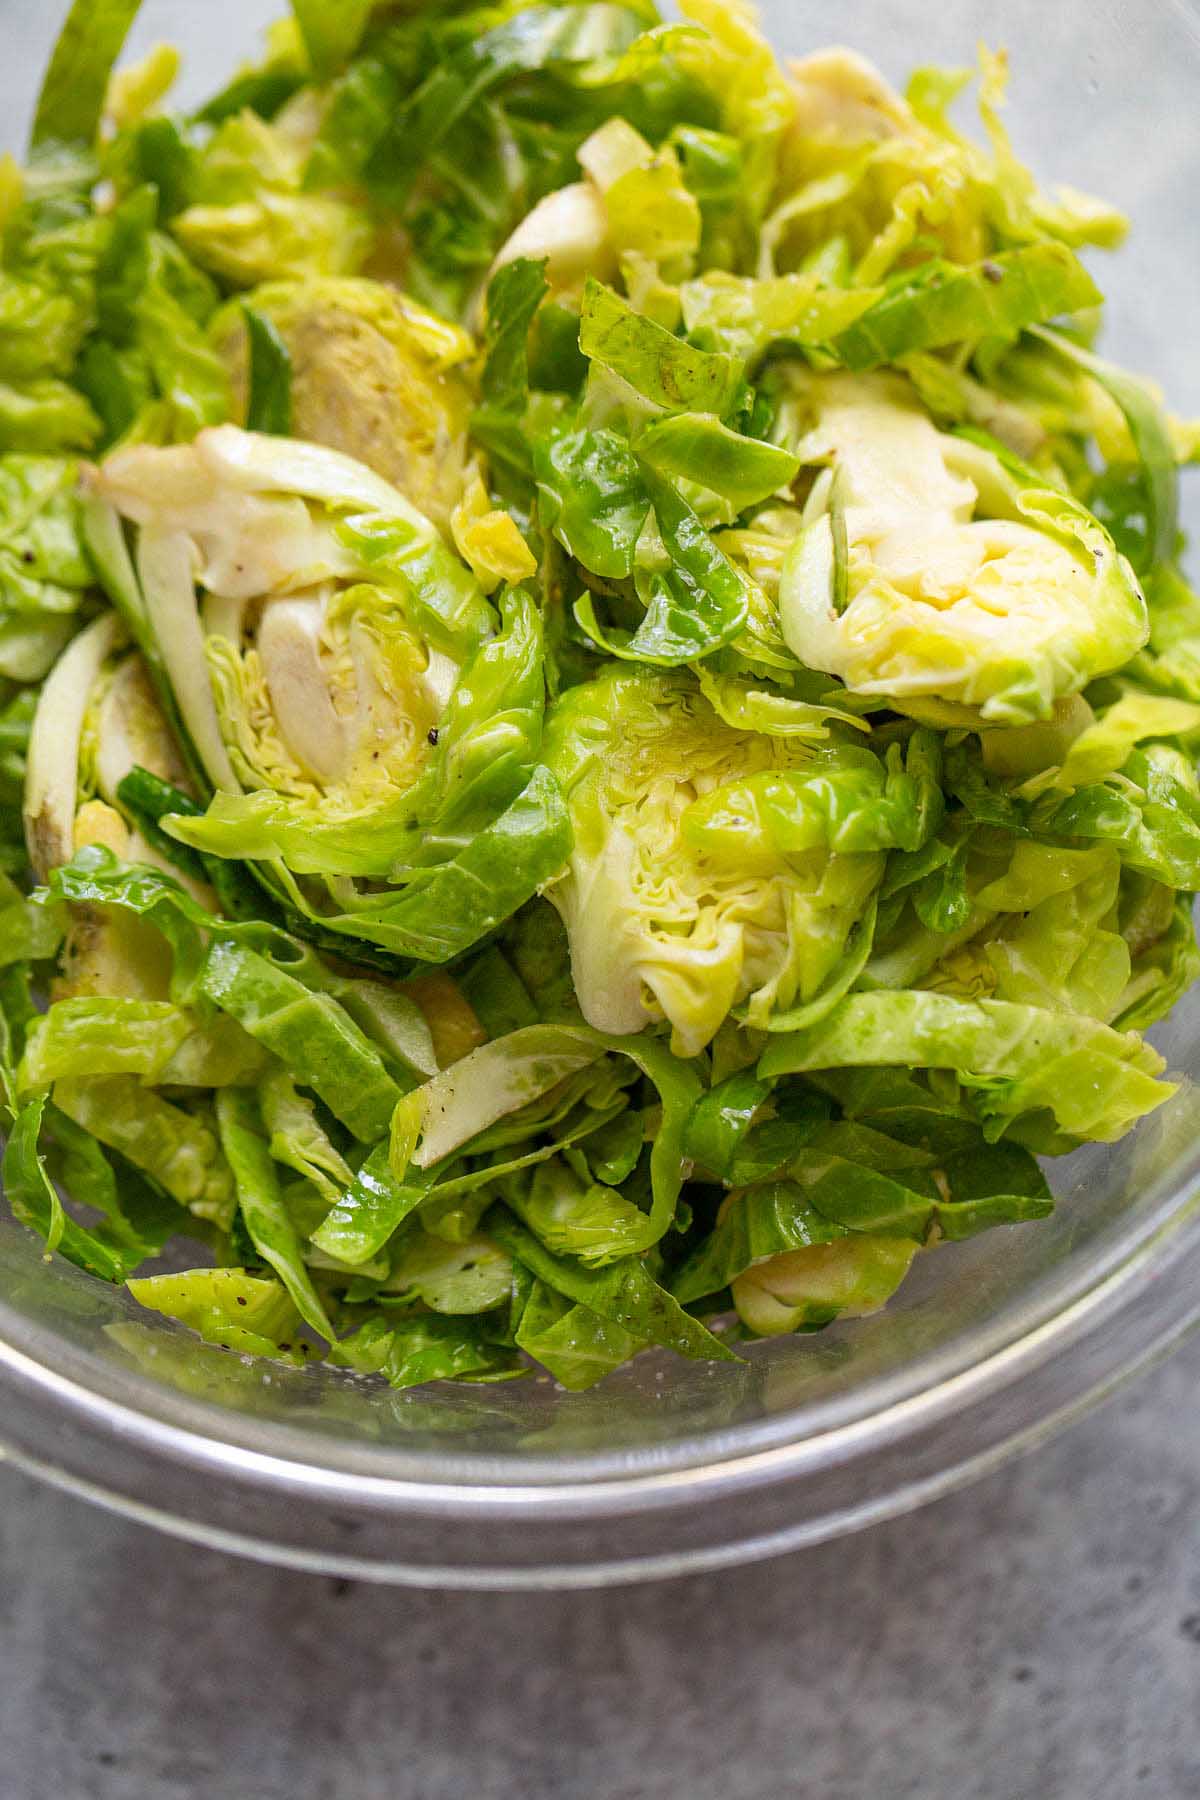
<point x="671" y="1466"/>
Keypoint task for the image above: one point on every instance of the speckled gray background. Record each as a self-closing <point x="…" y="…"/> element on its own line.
<point x="1035" y="1638"/>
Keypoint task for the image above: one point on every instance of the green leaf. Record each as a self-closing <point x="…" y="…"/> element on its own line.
<point x="442" y="911"/>
<point x="94" y="876"/>
<point x="721" y="1120"/>
<point x="1171" y="662"/>
<point x="366" y="1215"/>
<point x="297" y="1139"/>
<point x="568" y="1118"/>
<point x="624" y="1293"/>
<point x="536" y="38"/>
<point x="1101" y="749"/>
<point x="1022" y="1059"/>
<point x="101" y="1035"/>
<point x="311" y="1034"/>
<point x="1152" y="816"/>
<point x="270" y="404"/>
<point x="164" y="157"/>
<point x="593" y="497"/>
<point x="136" y="1213"/>
<point x="1162" y="972"/>
<point x="696" y="604"/>
<point x="28" y="933"/>
<point x="45" y="575"/>
<point x="945" y="303"/>
<point x="750" y="707"/>
<point x="991" y="1184"/>
<point x="261" y="1206"/>
<point x="500" y="1078"/>
<point x="515" y="294"/>
<point x="152" y="369"/>
<point x="227" y="1307"/>
<point x="807" y="1289"/>
<point x="903" y="1106"/>
<point x="35" y="1204"/>
<point x="698" y="448"/>
<point x="174" y="1145"/>
<point x="456" y="1279"/>
<point x="264" y="91"/>
<point x="760" y="1223"/>
<point x="660" y="367"/>
<point x="536" y="941"/>
<point x="745" y="318"/>
<point x="391" y="1019"/>
<point x="17" y="1012"/>
<point x="332" y="31"/>
<point x="46" y="415"/>
<point x="382" y="1014"/>
<point x="427" y="1348"/>
<point x="72" y="97"/>
<point x="252" y="217"/>
<point x="574" y="1218"/>
<point x="577" y="1345"/>
<point x="796" y="1114"/>
<point x="147" y="799"/>
<point x="1148" y="427"/>
<point x="842" y="799"/>
<point x="494" y="1081"/>
<point x="937" y="876"/>
<point x="496" y="994"/>
<point x="614" y="1151"/>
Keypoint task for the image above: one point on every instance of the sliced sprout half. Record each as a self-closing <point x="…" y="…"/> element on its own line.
<point x="370" y="724"/>
<point x="802" y="1289"/>
<point x="52" y="778"/>
<point x="373" y="375"/>
<point x="308" y="666"/>
<point x="97" y="718"/>
<point x="931" y="576"/>
<point x="693" y="888"/>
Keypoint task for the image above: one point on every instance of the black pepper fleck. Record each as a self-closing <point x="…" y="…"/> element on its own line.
<point x="993" y="272"/>
<point x="433" y="735"/>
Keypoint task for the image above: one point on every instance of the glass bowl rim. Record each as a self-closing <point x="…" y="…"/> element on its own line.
<point x="1084" y="1327"/>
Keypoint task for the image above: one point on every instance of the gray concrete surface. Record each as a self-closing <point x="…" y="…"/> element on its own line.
<point x="1036" y="1637"/>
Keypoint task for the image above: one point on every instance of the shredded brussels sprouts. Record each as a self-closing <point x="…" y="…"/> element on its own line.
<point x="598" y="699"/>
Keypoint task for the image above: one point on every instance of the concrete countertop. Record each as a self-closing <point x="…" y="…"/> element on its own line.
<point x="1035" y="1637"/>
